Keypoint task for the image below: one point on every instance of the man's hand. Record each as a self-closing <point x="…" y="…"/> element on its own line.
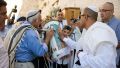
<point x="48" y="58"/>
<point x="49" y="35"/>
<point x="78" y="53"/>
<point x="60" y="33"/>
<point x="118" y="46"/>
<point x="66" y="57"/>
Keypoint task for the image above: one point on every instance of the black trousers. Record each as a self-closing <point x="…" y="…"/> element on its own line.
<point x="55" y="65"/>
<point x="39" y="62"/>
<point x="118" y="66"/>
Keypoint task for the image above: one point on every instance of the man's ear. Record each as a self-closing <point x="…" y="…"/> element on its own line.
<point x="34" y="21"/>
<point x="86" y="17"/>
<point x="112" y="11"/>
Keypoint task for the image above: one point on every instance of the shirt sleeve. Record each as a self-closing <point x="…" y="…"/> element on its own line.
<point x="118" y="32"/>
<point x="45" y="46"/>
<point x="70" y="43"/>
<point x="33" y="44"/>
<point x="103" y="58"/>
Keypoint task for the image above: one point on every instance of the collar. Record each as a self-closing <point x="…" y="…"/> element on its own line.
<point x="110" y="20"/>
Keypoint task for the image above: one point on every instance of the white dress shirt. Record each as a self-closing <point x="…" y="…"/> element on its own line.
<point x="4" y="61"/>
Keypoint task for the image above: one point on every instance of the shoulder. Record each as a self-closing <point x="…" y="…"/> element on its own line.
<point x="102" y="28"/>
<point x="104" y="33"/>
<point x="114" y="23"/>
<point x="115" y="20"/>
<point x="30" y="33"/>
<point x="65" y="22"/>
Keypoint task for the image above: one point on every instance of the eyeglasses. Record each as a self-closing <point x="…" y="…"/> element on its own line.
<point x="104" y="10"/>
<point x="85" y="15"/>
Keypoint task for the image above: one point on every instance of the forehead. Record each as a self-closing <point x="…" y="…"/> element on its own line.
<point x="59" y="13"/>
<point x="66" y="30"/>
<point x="105" y="6"/>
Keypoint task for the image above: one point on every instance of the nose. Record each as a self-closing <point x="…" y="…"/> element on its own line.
<point x="5" y="17"/>
<point x="101" y="13"/>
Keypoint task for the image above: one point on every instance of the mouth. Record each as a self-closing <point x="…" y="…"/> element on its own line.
<point x="101" y="15"/>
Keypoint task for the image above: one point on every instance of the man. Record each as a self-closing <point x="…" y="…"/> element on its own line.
<point x="60" y="19"/>
<point x="106" y="12"/>
<point x="97" y="47"/>
<point x="3" y="16"/>
<point x="40" y="61"/>
<point x="3" y="52"/>
<point x="29" y="46"/>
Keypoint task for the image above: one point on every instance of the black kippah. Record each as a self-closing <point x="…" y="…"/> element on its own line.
<point x="67" y="27"/>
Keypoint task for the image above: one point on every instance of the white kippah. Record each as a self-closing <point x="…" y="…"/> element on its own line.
<point x="31" y="12"/>
<point x="31" y="15"/>
<point x="93" y="8"/>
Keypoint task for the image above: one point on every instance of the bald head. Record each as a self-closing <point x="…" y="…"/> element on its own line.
<point x="109" y="5"/>
<point x="106" y="11"/>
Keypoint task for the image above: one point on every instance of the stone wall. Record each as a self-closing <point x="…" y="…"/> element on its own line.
<point x="28" y="5"/>
<point x="36" y="4"/>
<point x="83" y="3"/>
<point x="98" y="3"/>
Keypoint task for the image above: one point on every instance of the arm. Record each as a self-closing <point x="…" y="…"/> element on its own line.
<point x="33" y="44"/>
<point x="72" y="44"/>
<point x="118" y="45"/>
<point x="104" y="57"/>
<point x="49" y="35"/>
<point x="69" y="42"/>
<point x="118" y="35"/>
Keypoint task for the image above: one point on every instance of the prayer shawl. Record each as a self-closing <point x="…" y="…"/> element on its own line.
<point x="55" y="43"/>
<point x="96" y="34"/>
<point x="12" y="39"/>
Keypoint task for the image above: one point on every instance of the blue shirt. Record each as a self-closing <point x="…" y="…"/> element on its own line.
<point x="115" y="25"/>
<point x="30" y="47"/>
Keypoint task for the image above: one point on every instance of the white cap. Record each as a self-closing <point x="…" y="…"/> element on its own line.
<point x="31" y="12"/>
<point x="93" y="8"/>
<point x="31" y="15"/>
